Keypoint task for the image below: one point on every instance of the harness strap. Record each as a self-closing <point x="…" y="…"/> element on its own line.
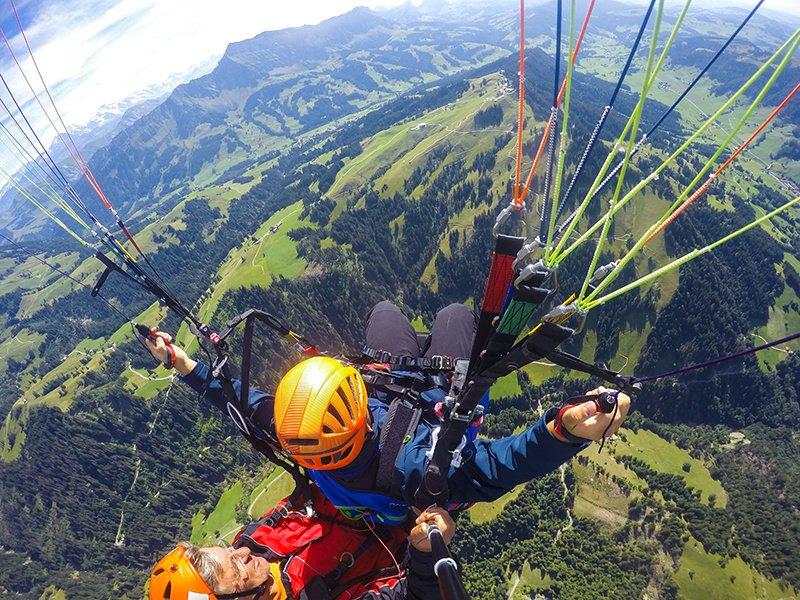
<point x="401" y="422"/>
<point x="239" y="409"/>
<point x="398" y="385"/>
<point x="323" y="586"/>
<point x="253" y="593"/>
<point x="542" y="341"/>
<point x="436" y="362"/>
<point x="501" y="272"/>
<point x="372" y="575"/>
<point x="346" y="561"/>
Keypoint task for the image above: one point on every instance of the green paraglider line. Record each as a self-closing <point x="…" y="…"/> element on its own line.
<point x="633" y="252"/>
<point x="590" y="303"/>
<point x="563" y="136"/>
<point x="42" y="207"/>
<point x="552" y="256"/>
<point x="51" y="195"/>
<point x="72" y="147"/>
<point x="647" y="137"/>
<point x="558" y="256"/>
<point x="649" y="75"/>
<point x="715" y="175"/>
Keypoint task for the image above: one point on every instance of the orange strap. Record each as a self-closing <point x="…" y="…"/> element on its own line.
<point x="521" y="104"/>
<point x="520" y="194"/>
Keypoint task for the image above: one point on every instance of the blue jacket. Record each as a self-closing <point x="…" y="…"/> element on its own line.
<point x="491" y="468"/>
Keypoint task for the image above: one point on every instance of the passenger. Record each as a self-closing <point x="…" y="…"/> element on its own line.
<point x="305" y="549"/>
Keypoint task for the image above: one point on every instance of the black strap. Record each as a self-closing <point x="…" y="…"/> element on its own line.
<point x="111" y="267"/>
<point x="527" y="296"/>
<point x="401" y="422"/>
<point x="437" y="362"/>
<point x="247" y="357"/>
<point x="239" y="408"/>
<point x="254" y="593"/>
<point x="569" y="361"/>
<point x="497" y="281"/>
<point x="555" y="414"/>
<point x="399" y="385"/>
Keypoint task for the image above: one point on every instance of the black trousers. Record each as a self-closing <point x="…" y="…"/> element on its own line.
<point x="389" y="329"/>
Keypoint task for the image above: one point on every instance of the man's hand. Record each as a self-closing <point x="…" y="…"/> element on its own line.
<point x="158" y="348"/>
<point x="441" y="518"/>
<point x="586" y="421"/>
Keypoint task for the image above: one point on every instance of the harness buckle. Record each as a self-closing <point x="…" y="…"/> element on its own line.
<point x="457" y="458"/>
<point x="219" y="363"/>
<point x="562" y="312"/>
<point x="350" y="559"/>
<point x="434" y="441"/>
<point x="460" y="366"/>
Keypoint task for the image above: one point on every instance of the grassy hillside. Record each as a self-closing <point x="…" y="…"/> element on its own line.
<point x="395" y="199"/>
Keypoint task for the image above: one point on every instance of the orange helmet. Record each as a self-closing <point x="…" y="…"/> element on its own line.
<point x="321" y="413"/>
<point x="175" y="578"/>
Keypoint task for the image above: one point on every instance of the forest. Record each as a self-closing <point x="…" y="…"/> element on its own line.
<point x="358" y="254"/>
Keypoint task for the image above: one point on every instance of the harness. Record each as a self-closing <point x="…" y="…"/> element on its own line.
<point x="323" y="554"/>
<point x="403" y="379"/>
<point x="401" y="422"/>
<point x="240" y="412"/>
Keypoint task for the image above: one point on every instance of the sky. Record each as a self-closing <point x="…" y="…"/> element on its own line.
<point x="98" y="52"/>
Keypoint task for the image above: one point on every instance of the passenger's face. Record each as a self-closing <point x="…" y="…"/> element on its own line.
<point x="242" y="571"/>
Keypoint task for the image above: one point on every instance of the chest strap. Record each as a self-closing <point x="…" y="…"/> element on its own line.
<point x="409" y="363"/>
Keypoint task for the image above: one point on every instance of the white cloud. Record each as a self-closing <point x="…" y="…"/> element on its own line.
<point x="97" y="52"/>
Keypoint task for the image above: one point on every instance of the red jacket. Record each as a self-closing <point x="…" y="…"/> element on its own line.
<point x="324" y="555"/>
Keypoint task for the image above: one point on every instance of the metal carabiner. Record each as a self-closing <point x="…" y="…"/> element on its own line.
<point x="562" y="312"/>
<point x="506" y="213"/>
<point x="527" y="250"/>
<point x="603" y="272"/>
<point x="529" y="271"/>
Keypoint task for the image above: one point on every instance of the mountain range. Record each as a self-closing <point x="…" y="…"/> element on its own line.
<point x="316" y="170"/>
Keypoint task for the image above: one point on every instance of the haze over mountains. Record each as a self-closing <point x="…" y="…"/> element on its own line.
<point x="268" y="89"/>
<point x="317" y="170"/>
